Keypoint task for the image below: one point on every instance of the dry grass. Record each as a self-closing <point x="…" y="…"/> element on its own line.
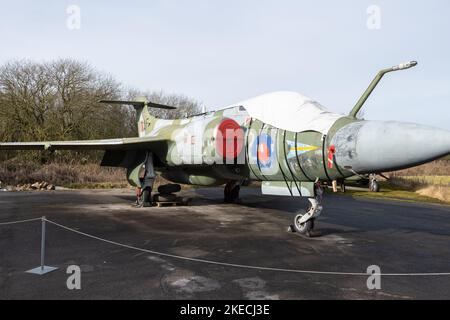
<point x="431" y="179"/>
<point x="435" y="168"/>
<point x="428" y="180"/>
<point x="61" y="174"/>
<point x="388" y="192"/>
<point x="74" y="176"/>
<point x="118" y="184"/>
<point x="439" y="192"/>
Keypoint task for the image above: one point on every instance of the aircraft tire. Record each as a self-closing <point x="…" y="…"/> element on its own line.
<point x="374" y="186"/>
<point x="305" y="228"/>
<point x="165" y="197"/>
<point x="144" y="200"/>
<point x="231" y="193"/>
<point x="169" y="188"/>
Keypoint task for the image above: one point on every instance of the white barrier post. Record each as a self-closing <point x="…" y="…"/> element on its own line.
<point x="42" y="269"/>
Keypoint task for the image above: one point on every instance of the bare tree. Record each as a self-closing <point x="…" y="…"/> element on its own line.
<point x="59" y="101"/>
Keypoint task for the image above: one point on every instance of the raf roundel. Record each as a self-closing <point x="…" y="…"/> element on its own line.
<point x="230" y="139"/>
<point x="263" y="150"/>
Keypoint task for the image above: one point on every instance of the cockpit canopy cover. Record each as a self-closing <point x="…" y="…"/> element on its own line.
<point x="290" y="111"/>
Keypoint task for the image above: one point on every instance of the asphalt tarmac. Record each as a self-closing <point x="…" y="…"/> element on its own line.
<point x="399" y="237"/>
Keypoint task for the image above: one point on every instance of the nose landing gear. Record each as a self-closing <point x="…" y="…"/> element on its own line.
<point x="304" y="222"/>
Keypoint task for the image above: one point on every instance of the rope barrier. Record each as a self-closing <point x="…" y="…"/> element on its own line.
<point x="223" y="264"/>
<point x="242" y="266"/>
<point x="19" y="221"/>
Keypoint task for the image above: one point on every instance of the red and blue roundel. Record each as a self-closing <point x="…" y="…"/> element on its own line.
<point x="263" y="150"/>
<point x="230" y="139"/>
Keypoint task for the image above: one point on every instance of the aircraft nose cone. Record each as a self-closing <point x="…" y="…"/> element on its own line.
<point x="377" y="146"/>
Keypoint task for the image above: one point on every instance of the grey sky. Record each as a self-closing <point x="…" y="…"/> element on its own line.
<point x="221" y="52"/>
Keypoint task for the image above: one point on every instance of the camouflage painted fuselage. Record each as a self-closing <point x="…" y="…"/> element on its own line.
<point x="284" y="139"/>
<point x="194" y="153"/>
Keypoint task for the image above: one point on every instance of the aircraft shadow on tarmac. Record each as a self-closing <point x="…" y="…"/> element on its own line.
<point x="342" y="215"/>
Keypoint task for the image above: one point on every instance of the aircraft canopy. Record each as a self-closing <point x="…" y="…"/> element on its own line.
<point x="290" y="111"/>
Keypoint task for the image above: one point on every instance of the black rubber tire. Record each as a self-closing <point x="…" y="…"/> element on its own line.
<point x="305" y="228"/>
<point x="165" y="198"/>
<point x="144" y="200"/>
<point x="231" y="194"/>
<point x="169" y="188"/>
<point x="235" y="193"/>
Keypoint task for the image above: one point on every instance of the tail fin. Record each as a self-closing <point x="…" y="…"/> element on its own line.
<point x="143" y="117"/>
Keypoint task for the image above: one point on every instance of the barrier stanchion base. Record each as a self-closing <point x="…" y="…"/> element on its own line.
<point x="41" y="270"/>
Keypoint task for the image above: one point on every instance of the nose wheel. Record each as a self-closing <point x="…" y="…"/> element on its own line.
<point x="303" y="228"/>
<point x="304" y="222"/>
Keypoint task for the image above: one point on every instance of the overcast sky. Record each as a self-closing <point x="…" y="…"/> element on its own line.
<point x="221" y="52"/>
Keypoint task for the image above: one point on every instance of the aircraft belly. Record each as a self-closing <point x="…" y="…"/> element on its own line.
<point x="205" y="176"/>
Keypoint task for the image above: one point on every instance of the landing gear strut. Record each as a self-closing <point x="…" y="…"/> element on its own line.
<point x="146" y="178"/>
<point x="374" y="186"/>
<point x="231" y="191"/>
<point x="144" y="197"/>
<point x="304" y="222"/>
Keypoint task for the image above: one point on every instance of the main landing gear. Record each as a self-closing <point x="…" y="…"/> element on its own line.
<point x="231" y="191"/>
<point x="146" y="178"/>
<point x="144" y="197"/>
<point x="304" y="222"/>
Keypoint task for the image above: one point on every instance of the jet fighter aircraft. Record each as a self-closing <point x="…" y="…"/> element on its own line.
<point x="289" y="142"/>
